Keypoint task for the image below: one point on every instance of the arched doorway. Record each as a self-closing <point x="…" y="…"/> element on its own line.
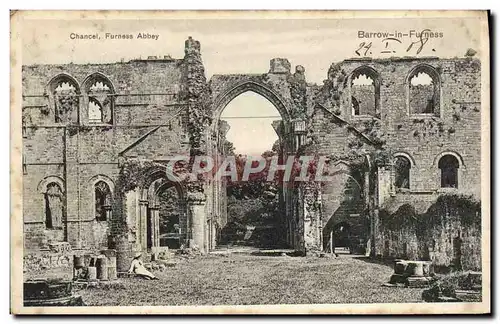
<point x="172" y="219"/>
<point x="346" y="227"/>
<point x="164" y="221"/>
<point x="342" y="237"/>
<point x="250" y="123"/>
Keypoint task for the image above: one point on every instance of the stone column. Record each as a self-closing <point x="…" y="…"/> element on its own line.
<point x="155" y="226"/>
<point x="142" y="225"/>
<point x="312" y="220"/>
<point x="198" y="222"/>
<point x="299" y="130"/>
<point x="384" y="184"/>
<point x="71" y="220"/>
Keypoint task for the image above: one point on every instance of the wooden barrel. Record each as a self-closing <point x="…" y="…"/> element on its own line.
<point x="124" y="254"/>
<point x="102" y="267"/>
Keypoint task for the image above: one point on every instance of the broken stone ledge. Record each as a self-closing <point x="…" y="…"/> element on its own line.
<point x="465" y="288"/>
<point x="412" y="274"/>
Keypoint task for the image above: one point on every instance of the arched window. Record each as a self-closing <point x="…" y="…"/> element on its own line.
<point x="100" y="100"/>
<point x="449" y="165"/>
<point x="365" y="92"/>
<point x="402" y="166"/>
<point x="95" y="111"/>
<point x="53" y="206"/>
<point x="423" y="92"/>
<point x="65" y="94"/>
<point x="102" y="201"/>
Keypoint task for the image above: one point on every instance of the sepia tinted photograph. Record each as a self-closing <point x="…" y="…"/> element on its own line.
<point x="279" y="162"/>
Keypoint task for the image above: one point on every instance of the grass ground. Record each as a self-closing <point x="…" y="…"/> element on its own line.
<point x="253" y="280"/>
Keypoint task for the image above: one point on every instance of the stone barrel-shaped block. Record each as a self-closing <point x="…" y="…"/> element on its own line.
<point x="400" y="267"/>
<point x="91" y="273"/>
<point x="102" y="267"/>
<point x="124" y="254"/>
<point x="413" y="268"/>
<point x="419" y="268"/>
<point x="112" y="274"/>
<point x="111" y="256"/>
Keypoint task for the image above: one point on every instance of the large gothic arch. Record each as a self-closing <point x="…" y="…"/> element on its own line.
<point x="234" y="90"/>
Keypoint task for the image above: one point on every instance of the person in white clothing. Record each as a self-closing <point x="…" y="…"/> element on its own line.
<point x="138" y="268"/>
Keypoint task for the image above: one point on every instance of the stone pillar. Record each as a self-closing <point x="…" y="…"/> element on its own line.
<point x="155" y="226"/>
<point x="142" y="225"/>
<point x="124" y="253"/>
<point x="131" y="213"/>
<point x="384" y="184"/>
<point x="383" y="187"/>
<point x="213" y="242"/>
<point x="312" y="220"/>
<point x="71" y="220"/>
<point x="299" y="130"/>
<point x="198" y="223"/>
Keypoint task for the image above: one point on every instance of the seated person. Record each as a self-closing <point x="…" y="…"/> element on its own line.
<point x="138" y="268"/>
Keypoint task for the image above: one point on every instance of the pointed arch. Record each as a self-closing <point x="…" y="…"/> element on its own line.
<point x="97" y="77"/>
<point x="42" y="185"/>
<point x="157" y="178"/>
<point x="60" y="78"/>
<point x="64" y="98"/>
<point x="364" y="98"/>
<point x="98" y="92"/>
<point x="228" y="95"/>
<point x="423" y="98"/>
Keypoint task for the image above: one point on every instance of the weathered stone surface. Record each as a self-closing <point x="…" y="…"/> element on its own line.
<point x="165" y="108"/>
<point x="280" y="65"/>
<point x="45" y="264"/>
<point x="50" y="293"/>
<point x="419" y="282"/>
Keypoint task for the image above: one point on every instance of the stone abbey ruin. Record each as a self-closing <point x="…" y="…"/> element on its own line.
<point x="403" y="135"/>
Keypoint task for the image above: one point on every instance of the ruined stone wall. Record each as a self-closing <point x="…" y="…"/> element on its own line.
<point x="146" y="96"/>
<point x="365" y="98"/>
<point x="457" y="129"/>
<point x="335" y="131"/>
<point x="55" y="262"/>
<point x="422" y="99"/>
<point x="445" y="229"/>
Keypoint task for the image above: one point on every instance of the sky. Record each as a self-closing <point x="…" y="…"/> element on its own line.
<point x="241" y="46"/>
<point x="245" y="45"/>
<point x="251" y="136"/>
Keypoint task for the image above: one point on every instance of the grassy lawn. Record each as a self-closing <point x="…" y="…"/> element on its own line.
<point x="246" y="280"/>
